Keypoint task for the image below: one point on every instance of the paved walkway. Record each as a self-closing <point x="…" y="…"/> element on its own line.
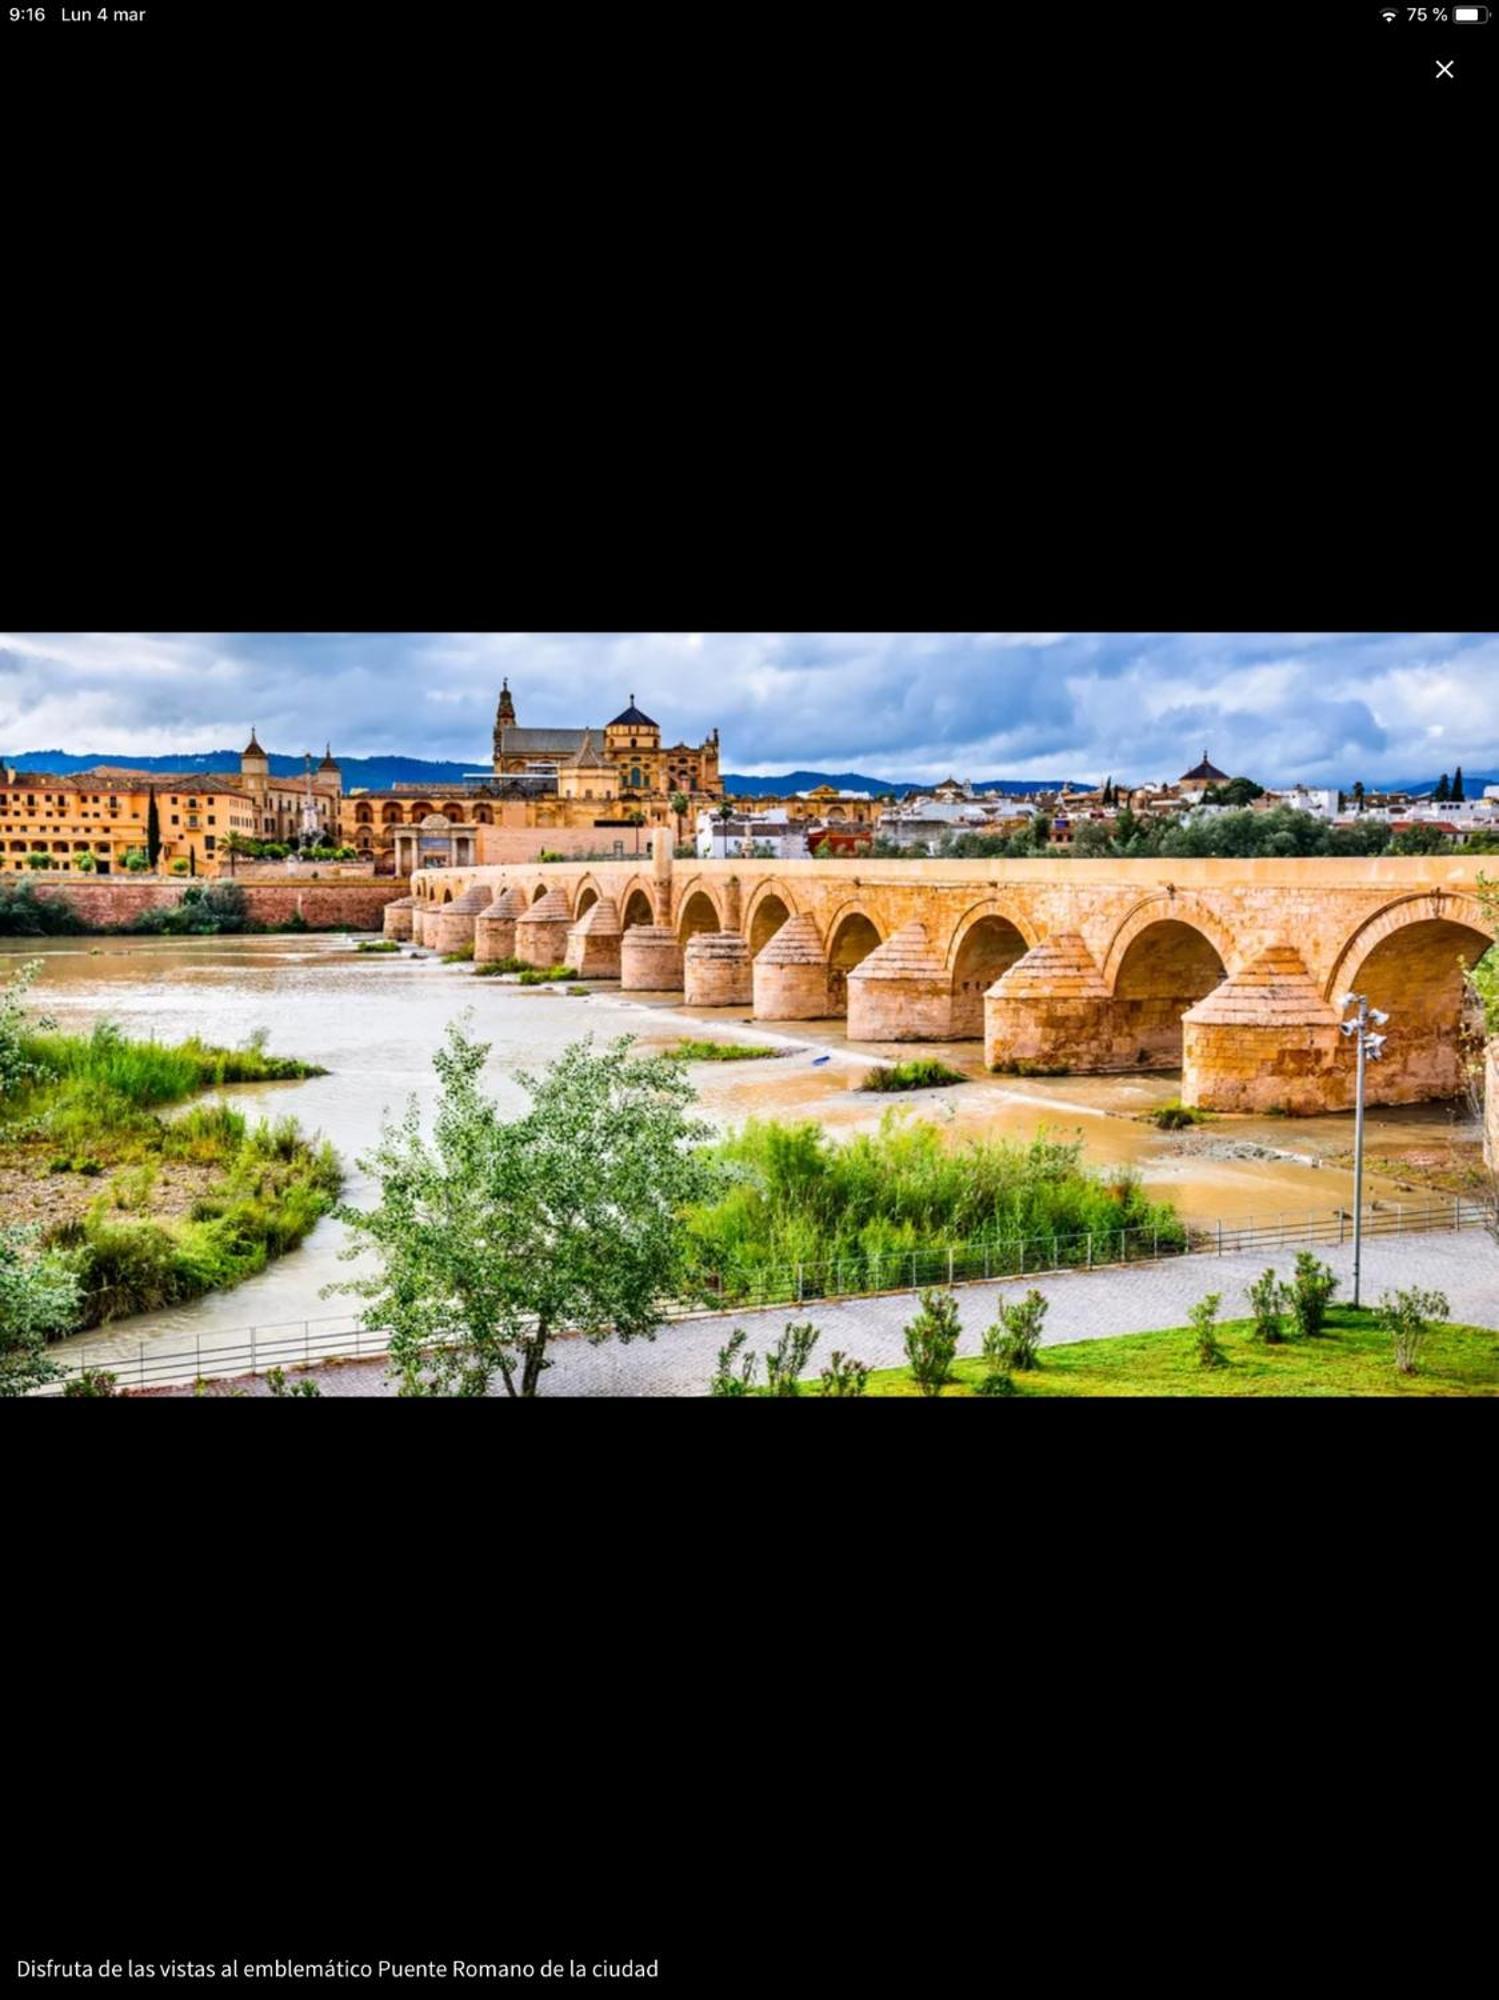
<point x="1084" y="1305"/>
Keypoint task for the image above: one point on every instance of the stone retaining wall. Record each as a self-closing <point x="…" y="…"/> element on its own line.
<point x="115" y="902"/>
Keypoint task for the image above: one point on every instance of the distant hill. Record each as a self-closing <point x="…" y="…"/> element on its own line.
<point x="855" y="781"/>
<point x="374" y="774"/>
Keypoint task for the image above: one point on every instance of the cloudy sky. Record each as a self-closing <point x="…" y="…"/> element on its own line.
<point x="1280" y="705"/>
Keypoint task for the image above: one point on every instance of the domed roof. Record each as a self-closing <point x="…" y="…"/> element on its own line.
<point x="1209" y="773"/>
<point x="632" y="718"/>
<point x="252" y="748"/>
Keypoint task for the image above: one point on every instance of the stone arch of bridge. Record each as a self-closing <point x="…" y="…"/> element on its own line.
<point x="1167" y="906"/>
<point x="538" y="892"/>
<point x="588" y="895"/>
<point x="771" y="905"/>
<point x="986" y="941"/>
<point x="1168" y="965"/>
<point x="852" y="934"/>
<point x="637" y="905"/>
<point x="697" y="910"/>
<point x="1409" y="960"/>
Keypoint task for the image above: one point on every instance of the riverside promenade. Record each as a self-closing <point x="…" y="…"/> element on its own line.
<point x="1083" y="1305"/>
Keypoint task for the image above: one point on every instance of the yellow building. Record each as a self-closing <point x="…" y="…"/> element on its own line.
<point x="89" y="822"/>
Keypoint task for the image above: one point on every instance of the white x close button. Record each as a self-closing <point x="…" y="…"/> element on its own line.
<point x="1445" y="69"/>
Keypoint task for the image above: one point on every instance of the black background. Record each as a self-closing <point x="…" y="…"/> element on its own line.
<point x="367" y="317"/>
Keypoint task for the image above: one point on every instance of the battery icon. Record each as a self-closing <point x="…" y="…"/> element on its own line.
<point x="1470" y="13"/>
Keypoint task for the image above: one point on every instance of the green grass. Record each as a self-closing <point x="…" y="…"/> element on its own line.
<point x="378" y="944"/>
<point x="792" y="1197"/>
<point x="923" y="1073"/>
<point x="690" y="1051"/>
<point x="464" y="955"/>
<point x="95" y="1108"/>
<point x="1354" y="1357"/>
<point x="545" y="975"/>
<point x="493" y="968"/>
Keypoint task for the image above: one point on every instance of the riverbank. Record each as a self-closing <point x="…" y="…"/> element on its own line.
<point x="372" y="1021"/>
<point x="154" y="1211"/>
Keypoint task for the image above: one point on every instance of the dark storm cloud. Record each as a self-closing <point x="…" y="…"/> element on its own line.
<point x="1279" y="705"/>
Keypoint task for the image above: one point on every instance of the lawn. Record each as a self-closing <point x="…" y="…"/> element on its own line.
<point x="1354" y="1357"/>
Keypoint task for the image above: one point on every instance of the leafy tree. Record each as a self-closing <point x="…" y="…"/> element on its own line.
<point x="1358" y="796"/>
<point x="153" y="829"/>
<point x="85" y="862"/>
<point x="1267" y="1301"/>
<point x="500" y="1234"/>
<point x="1408" y="1316"/>
<point x="1014" y="1340"/>
<point x="733" y="1376"/>
<point x="932" y="1341"/>
<point x="786" y="1362"/>
<point x="1203" y="1319"/>
<point x="844" y="1376"/>
<point x="1421" y="838"/>
<point x="1091" y="838"/>
<point x="37" y="859"/>
<point x="1456" y="794"/>
<point x="137" y="861"/>
<point x="1309" y="1294"/>
<point x="17" y="1069"/>
<point x="39" y="1296"/>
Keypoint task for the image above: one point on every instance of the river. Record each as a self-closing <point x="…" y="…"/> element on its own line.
<point x="373" y="1022"/>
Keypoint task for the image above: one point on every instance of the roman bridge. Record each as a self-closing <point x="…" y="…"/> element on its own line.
<point x="1227" y="970"/>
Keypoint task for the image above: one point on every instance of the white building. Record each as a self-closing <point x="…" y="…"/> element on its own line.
<point x="771" y="834"/>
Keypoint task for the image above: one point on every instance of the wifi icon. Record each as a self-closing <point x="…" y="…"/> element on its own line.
<point x="1389" y="14"/>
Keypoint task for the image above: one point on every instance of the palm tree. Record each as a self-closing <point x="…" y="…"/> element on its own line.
<point x="725" y="816"/>
<point x="637" y="820"/>
<point x="679" y="805"/>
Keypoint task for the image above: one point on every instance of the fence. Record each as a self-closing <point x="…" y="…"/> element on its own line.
<point x="300" y="1343"/>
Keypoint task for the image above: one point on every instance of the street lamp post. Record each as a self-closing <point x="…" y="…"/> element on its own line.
<point x="1370" y="1046"/>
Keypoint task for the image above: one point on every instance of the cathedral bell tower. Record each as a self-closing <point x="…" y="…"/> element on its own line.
<point x="504" y="719"/>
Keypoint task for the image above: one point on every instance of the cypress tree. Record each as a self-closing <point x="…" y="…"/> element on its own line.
<point x="1457" y="778"/>
<point x="153" y="829"/>
<point x="1440" y="796"/>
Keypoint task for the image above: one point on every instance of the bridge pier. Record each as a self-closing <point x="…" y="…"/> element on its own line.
<point x="541" y="934"/>
<point x="716" y="970"/>
<point x="1266" y="1040"/>
<point x="791" y="975"/>
<point x="902" y="992"/>
<point x="594" y="942"/>
<point x="494" y="928"/>
<point x="650" y="960"/>
<point x="1051" y="1013"/>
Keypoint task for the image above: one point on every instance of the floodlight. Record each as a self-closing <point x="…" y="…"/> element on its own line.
<point x="1349" y="1027"/>
<point x="1374" y="1043"/>
<point x="1378" y="1016"/>
<point x="1348" y="1000"/>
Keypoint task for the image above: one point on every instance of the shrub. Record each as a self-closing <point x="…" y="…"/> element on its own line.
<point x="1173" y="1115"/>
<point x="23" y="913"/>
<point x="1309" y="1294"/>
<point x="1203" y="1318"/>
<point x="689" y="1051"/>
<point x="378" y="944"/>
<point x="1408" y="1316"/>
<point x="464" y="955"/>
<point x="1268" y="1299"/>
<point x="544" y="975"/>
<point x="844" y="1376"/>
<point x="1014" y="1340"/>
<point x="924" y="1073"/>
<point x="137" y="861"/>
<point x="179" y="866"/>
<point x="91" y="1382"/>
<point x="278" y="1385"/>
<point x="38" y="860"/>
<point x="495" y="966"/>
<point x="786" y="1362"/>
<point x="85" y="863"/>
<point x="725" y="1381"/>
<point x="932" y="1341"/>
<point x="998" y="1382"/>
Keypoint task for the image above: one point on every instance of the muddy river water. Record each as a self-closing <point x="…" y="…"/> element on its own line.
<point x="374" y="1021"/>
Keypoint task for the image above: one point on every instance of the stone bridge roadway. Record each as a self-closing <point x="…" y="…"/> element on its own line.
<point x="1229" y="970"/>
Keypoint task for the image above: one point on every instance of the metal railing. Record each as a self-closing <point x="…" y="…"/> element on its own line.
<point x="299" y="1344"/>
